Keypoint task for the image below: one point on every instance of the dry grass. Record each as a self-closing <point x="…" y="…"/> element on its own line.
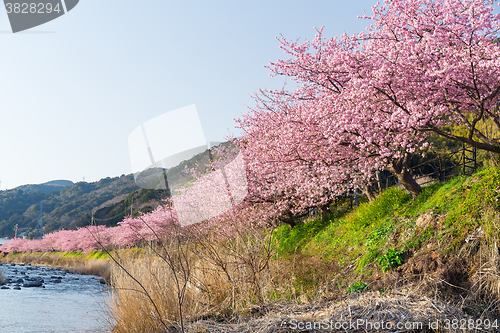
<point x="371" y="307"/>
<point x="482" y="250"/>
<point x="97" y="267"/>
<point x="133" y="306"/>
<point x="220" y="276"/>
<point x="237" y="271"/>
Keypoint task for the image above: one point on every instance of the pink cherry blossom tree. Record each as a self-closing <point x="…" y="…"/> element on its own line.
<point x="291" y="162"/>
<point x="422" y="64"/>
<point x="437" y="62"/>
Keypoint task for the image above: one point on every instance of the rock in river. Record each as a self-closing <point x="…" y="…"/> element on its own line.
<point x="33" y="282"/>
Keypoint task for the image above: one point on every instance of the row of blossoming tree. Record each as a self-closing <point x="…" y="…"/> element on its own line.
<point x="213" y="199"/>
<point x="364" y="103"/>
<point x="130" y="232"/>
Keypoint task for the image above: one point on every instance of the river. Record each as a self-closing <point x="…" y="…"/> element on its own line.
<point x="65" y="303"/>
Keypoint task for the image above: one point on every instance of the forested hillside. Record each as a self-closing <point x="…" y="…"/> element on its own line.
<point x="68" y="207"/>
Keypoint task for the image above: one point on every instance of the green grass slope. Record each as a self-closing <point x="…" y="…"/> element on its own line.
<point x="446" y="240"/>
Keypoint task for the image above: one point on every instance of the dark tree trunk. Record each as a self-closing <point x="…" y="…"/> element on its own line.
<point x="399" y="168"/>
<point x="287" y="218"/>
<point x="409" y="183"/>
<point x="325" y="209"/>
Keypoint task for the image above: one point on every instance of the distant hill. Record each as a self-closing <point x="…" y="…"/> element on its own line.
<point x="52" y="186"/>
<point x="63" y="183"/>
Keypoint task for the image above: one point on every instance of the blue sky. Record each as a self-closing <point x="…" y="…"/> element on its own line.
<point x="72" y="90"/>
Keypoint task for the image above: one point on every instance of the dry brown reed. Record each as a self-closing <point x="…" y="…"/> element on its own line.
<point x="214" y="277"/>
<point x="131" y="305"/>
<point x="242" y="266"/>
<point x="483" y="298"/>
<point x="97" y="267"/>
<point x="399" y="312"/>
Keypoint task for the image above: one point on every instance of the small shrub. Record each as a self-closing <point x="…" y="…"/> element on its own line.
<point x="392" y="259"/>
<point x="378" y="234"/>
<point x="357" y="287"/>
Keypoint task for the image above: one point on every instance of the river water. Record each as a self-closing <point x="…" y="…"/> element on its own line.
<point x="65" y="303"/>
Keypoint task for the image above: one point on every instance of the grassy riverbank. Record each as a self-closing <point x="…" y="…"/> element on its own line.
<point x="94" y="263"/>
<point x="439" y="251"/>
<point x="436" y="256"/>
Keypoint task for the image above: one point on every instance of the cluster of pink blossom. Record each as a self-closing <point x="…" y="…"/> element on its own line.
<point x="213" y="193"/>
<point x="129" y="232"/>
